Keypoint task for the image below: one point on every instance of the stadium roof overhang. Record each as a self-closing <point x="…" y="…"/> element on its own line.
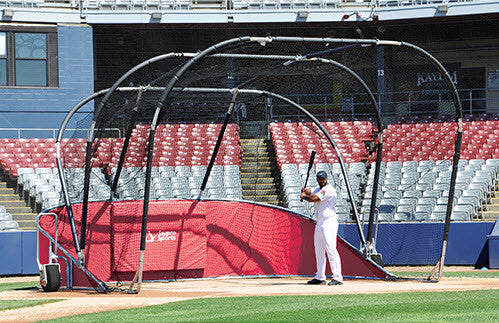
<point x="348" y="12"/>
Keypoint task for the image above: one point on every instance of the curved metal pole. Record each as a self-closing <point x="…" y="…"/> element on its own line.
<point x="158" y="111"/>
<point x="368" y="244"/>
<point x="60" y="169"/>
<point x="261" y="92"/>
<point x="290" y="60"/>
<point x="264" y="40"/>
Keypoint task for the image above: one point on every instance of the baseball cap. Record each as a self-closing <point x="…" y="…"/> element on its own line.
<point x="321" y="174"/>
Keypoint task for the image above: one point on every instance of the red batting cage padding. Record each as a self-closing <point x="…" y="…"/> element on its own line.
<point x="195" y="239"/>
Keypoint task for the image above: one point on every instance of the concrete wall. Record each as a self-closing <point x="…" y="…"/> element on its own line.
<point x="23" y="107"/>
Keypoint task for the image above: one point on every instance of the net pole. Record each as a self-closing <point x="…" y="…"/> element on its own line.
<point x="374" y="196"/>
<point x="126" y="143"/>
<point x="218" y="143"/>
<point x="124" y="150"/>
<point x="366" y="243"/>
<point x="69" y="209"/>
<point x="86" y="192"/>
<point x="167" y="90"/>
<point x="457" y="151"/>
<point x="145" y="211"/>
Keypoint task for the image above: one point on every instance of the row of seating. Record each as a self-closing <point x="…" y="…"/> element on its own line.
<point x="188" y="4"/>
<point x="175" y="145"/>
<point x="435" y="141"/>
<point x="294" y="141"/>
<point x="41" y="188"/>
<point x="408" y="191"/>
<point x="412" y="191"/>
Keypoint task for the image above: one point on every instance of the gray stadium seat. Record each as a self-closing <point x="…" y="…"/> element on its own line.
<point x="402" y="216"/>
<point x="460" y="216"/>
<point x="9" y="225"/>
<point x="167" y="171"/>
<point x="5" y="216"/>
<point x="468" y="209"/>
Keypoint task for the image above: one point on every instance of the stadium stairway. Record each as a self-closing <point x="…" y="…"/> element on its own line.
<point x="492" y="211"/>
<point x="259" y="170"/>
<point x="16" y="206"/>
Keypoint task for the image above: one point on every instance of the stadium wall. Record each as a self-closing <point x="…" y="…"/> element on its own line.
<point x="46" y="107"/>
<point x="468" y="246"/>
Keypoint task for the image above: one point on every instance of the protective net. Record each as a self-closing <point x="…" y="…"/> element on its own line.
<point x="269" y="89"/>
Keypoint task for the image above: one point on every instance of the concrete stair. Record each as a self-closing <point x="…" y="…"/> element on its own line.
<point x="259" y="170"/>
<point x="492" y="212"/>
<point x="16" y="207"/>
<point x="253" y="129"/>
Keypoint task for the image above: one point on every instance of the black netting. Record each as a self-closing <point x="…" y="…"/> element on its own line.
<point x="267" y="144"/>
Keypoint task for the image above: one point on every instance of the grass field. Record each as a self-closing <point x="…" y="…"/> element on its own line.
<point x="455" y="274"/>
<point x="480" y="306"/>
<point x="19" y="303"/>
<point x="20" y="285"/>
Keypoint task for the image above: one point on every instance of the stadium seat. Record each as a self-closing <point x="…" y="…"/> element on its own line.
<point x="9" y="225"/>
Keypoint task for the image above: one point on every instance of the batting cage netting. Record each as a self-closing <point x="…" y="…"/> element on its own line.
<point x="191" y="165"/>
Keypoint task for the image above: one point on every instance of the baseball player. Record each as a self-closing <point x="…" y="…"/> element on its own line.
<point x="326" y="228"/>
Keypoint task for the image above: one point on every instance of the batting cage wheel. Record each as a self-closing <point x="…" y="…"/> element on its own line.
<point x="50" y="278"/>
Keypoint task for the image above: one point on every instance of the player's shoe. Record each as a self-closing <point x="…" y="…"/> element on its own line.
<point x="316" y="282"/>
<point x="334" y="283"/>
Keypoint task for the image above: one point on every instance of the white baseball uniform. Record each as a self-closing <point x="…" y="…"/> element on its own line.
<point x="325" y="232"/>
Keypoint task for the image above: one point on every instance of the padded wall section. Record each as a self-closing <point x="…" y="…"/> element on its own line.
<point x="175" y="240"/>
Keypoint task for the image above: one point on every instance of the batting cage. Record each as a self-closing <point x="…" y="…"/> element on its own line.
<point x="191" y="164"/>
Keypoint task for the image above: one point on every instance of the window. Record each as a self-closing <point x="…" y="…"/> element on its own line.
<point x="28" y="57"/>
<point x="3" y="58"/>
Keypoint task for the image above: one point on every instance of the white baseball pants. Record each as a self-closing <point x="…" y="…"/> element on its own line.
<point x="325" y="242"/>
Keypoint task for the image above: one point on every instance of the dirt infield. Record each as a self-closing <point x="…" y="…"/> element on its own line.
<point x="89" y="301"/>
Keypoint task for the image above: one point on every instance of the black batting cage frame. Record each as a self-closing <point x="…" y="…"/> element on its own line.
<point x="213" y="52"/>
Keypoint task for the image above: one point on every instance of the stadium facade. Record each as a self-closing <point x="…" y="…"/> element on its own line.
<point x="87" y="45"/>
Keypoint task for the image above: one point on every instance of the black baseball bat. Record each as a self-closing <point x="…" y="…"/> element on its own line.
<point x="310" y="165"/>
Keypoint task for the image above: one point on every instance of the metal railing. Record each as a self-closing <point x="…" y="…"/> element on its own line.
<point x="214" y="4"/>
<point x="398" y="103"/>
<point x="52" y="131"/>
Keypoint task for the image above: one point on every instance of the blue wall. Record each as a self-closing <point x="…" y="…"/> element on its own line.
<point x="467" y="245"/>
<point x="76" y="81"/>
<point x="420" y="243"/>
<point x="18" y="253"/>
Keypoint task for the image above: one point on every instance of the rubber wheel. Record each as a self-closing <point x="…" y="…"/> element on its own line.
<point x="53" y="278"/>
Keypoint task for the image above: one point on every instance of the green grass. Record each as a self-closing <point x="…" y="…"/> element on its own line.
<point x="18" y="303"/>
<point x="459" y="274"/>
<point x="20" y="285"/>
<point x="479" y="306"/>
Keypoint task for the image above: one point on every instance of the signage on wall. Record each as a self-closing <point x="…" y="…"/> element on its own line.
<point x="432" y="77"/>
<point x="428" y="78"/>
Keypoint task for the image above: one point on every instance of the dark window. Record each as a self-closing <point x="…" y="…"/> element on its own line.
<point x="28" y="57"/>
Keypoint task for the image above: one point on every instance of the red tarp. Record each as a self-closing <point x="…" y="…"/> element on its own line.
<point x="187" y="239"/>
